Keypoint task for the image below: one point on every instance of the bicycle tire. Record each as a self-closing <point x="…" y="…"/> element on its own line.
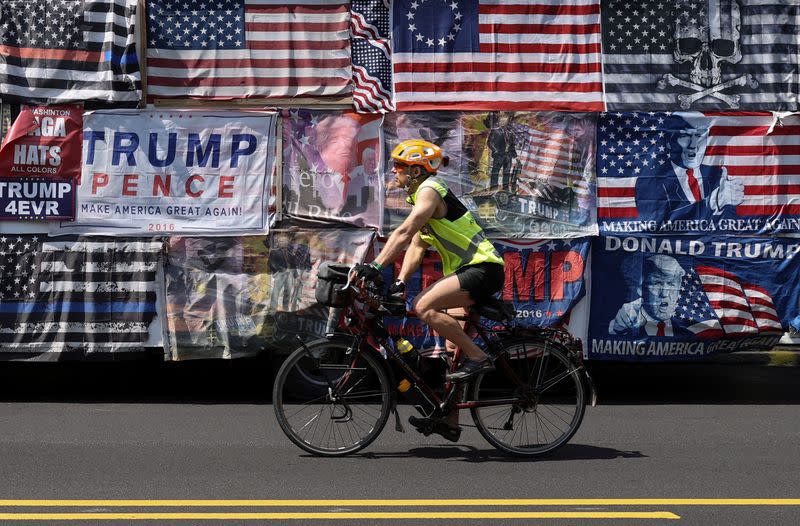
<point x="536" y="362"/>
<point x="301" y="392"/>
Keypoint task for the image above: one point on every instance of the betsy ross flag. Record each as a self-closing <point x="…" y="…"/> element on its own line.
<point x="372" y="56"/>
<point x="57" y="294"/>
<point x="497" y="55"/>
<point x="715" y="303"/>
<point x="761" y="151"/>
<point x="701" y="54"/>
<point x="62" y="51"/>
<point x="248" y="48"/>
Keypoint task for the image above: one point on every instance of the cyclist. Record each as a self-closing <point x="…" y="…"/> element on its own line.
<point x="473" y="270"/>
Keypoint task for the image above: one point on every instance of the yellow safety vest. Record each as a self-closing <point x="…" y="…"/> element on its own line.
<point x="456" y="236"/>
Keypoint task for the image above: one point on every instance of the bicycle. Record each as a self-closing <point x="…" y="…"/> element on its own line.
<point x="333" y="396"/>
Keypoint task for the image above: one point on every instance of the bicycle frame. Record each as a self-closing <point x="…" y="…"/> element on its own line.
<point x="353" y="320"/>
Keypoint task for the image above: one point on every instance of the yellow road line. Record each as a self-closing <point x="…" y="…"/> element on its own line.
<point x="343" y="515"/>
<point x="291" y="503"/>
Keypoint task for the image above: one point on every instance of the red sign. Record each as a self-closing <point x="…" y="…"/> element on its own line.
<point x="44" y="141"/>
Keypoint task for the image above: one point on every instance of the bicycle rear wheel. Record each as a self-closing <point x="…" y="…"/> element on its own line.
<point x="539" y="416"/>
<point x="330" y="401"/>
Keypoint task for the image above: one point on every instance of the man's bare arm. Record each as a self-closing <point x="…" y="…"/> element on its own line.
<point x="413" y="258"/>
<point x="423" y="210"/>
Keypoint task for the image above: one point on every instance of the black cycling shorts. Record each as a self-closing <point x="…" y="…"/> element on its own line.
<point x="482" y="280"/>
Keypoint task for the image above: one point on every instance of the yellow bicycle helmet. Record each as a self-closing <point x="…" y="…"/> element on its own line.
<point x="416" y="152"/>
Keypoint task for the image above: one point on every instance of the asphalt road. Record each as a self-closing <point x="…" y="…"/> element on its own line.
<point x="201" y="432"/>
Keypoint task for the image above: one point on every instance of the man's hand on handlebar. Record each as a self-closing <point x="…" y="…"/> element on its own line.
<point x="369" y="273"/>
<point x="397" y="290"/>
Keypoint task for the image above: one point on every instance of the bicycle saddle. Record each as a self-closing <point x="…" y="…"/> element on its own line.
<point x="496" y="309"/>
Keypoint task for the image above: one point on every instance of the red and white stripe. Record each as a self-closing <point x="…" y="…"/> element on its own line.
<point x="741" y="308"/>
<point x="551" y="156"/>
<point x="294" y="48"/>
<point x="368" y="93"/>
<point x="763" y="309"/>
<point x="767" y="163"/>
<point x="533" y="55"/>
<point x="616" y="197"/>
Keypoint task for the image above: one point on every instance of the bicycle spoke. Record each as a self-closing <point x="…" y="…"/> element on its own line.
<point x="335" y="408"/>
<point x="533" y="421"/>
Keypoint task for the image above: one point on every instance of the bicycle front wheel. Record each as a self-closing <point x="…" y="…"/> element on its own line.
<point x="539" y="415"/>
<point x="331" y="400"/>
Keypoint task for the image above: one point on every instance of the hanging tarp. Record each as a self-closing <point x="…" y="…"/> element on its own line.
<point x="523" y="175"/>
<point x="533" y="173"/>
<point x="233" y="297"/>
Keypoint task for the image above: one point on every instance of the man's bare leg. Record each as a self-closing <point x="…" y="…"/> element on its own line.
<point x="446" y="293"/>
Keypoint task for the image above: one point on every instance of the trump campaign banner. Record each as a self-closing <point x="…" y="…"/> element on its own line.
<point x="681" y="297"/>
<point x="694" y="173"/>
<point x="44" y="141"/>
<point x="169" y="172"/>
<point x="40" y="159"/>
<point x="332" y="167"/>
<point x="544" y="280"/>
<point x="534" y="173"/>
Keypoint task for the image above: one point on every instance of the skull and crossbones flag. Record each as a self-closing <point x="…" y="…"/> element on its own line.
<point x="701" y="54"/>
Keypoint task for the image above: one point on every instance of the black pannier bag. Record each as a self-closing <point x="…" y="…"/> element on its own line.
<point x="331" y="279"/>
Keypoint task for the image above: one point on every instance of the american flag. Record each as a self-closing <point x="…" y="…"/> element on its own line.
<point x="61" y="51"/>
<point x="372" y="56"/>
<point x="497" y="55"/>
<point x="755" y="147"/>
<point x="248" y="48"/>
<point x="765" y="155"/>
<point x="550" y="157"/>
<point x="629" y="145"/>
<point x="646" y="67"/>
<point x="57" y="294"/>
<point x="717" y="303"/>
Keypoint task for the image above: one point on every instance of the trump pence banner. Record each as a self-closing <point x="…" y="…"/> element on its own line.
<point x="690" y="173"/>
<point x="683" y="297"/>
<point x="331" y="166"/>
<point x="169" y="172"/>
<point x="544" y="280"/>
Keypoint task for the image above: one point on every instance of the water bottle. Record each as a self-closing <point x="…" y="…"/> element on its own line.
<point x="413" y="394"/>
<point x="407" y="351"/>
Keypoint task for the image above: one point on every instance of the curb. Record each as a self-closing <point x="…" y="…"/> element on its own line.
<point x="777" y="357"/>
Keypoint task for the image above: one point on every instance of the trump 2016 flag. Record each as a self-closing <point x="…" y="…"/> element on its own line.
<point x="701" y="54"/>
<point x="497" y="55"/>
<point x="729" y="173"/>
<point x="61" y="51"/>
